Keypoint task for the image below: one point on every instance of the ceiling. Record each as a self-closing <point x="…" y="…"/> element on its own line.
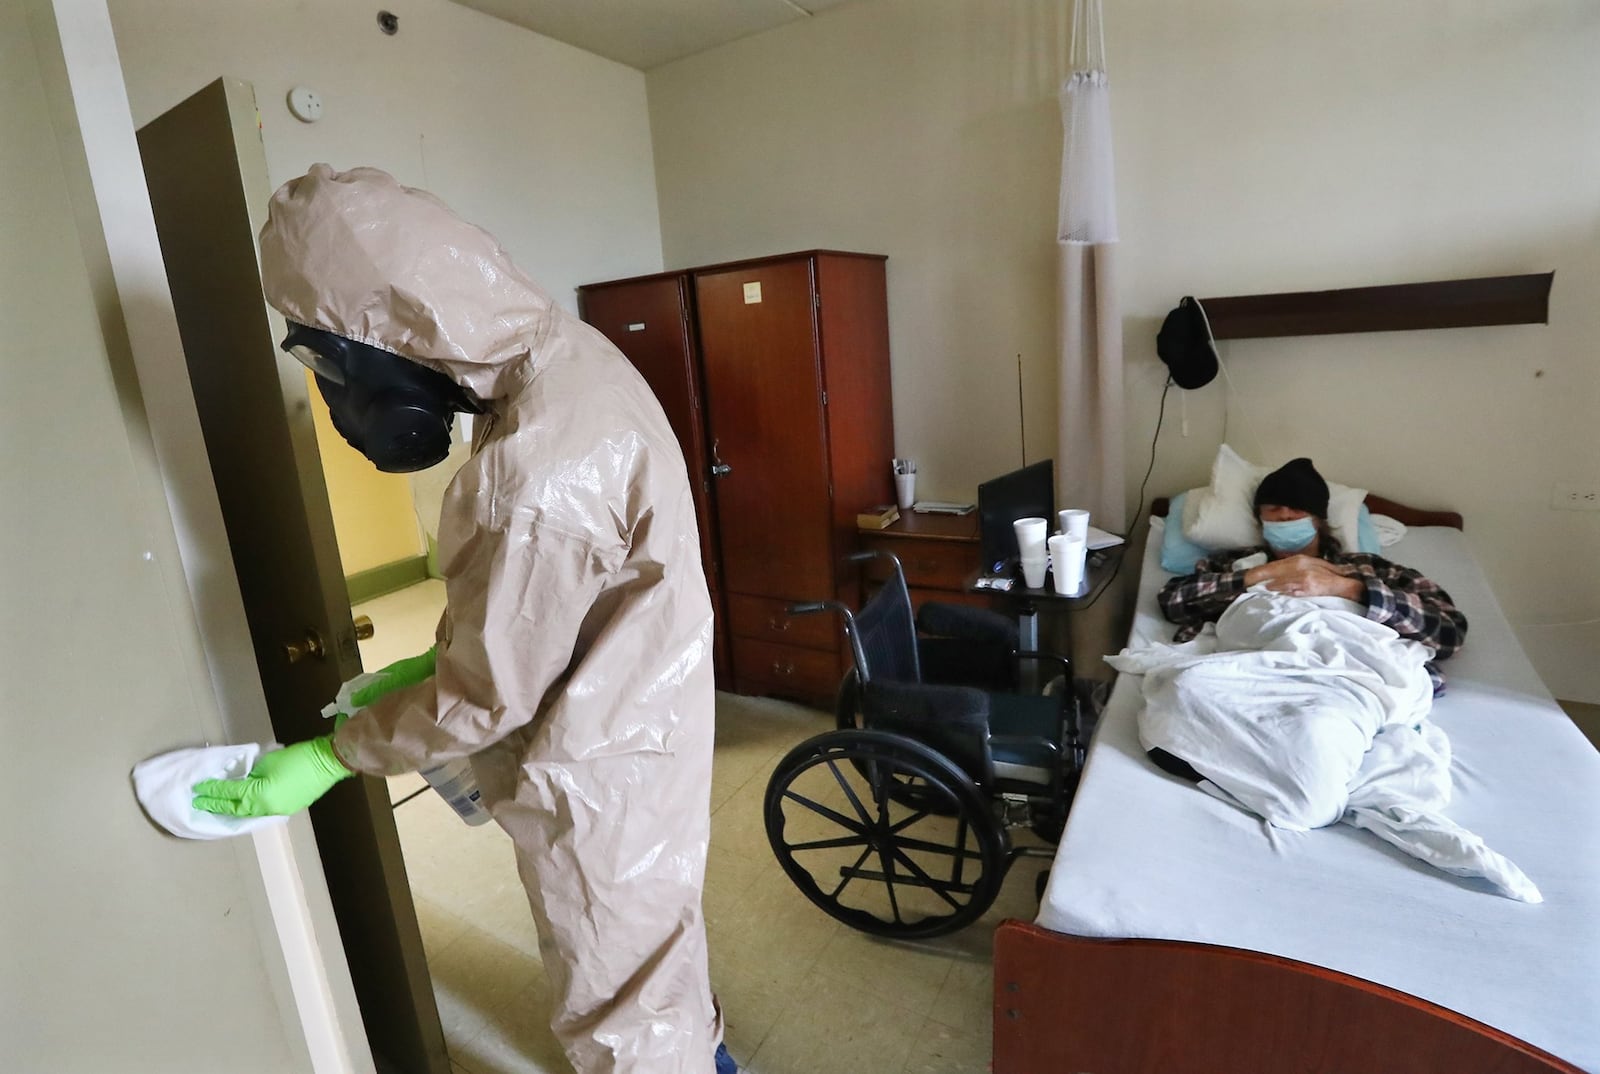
<point x="647" y="33"/>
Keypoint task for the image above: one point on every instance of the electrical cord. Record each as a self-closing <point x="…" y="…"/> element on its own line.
<point x="1161" y="414"/>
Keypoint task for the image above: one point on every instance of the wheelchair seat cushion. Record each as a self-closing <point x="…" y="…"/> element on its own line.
<point x="1019" y="715"/>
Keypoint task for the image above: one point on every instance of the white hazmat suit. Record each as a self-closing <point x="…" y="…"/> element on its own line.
<point x="574" y="657"/>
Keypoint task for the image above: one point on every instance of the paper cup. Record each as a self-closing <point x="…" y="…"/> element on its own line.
<point x="1031" y="533"/>
<point x="1034" y="570"/>
<point x="1066" y="560"/>
<point x="1074" y="523"/>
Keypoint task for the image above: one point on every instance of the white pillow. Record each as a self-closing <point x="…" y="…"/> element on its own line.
<point x="1222" y="515"/>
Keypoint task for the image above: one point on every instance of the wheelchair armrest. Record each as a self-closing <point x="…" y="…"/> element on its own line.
<point x="1047" y="658"/>
<point x="810" y="607"/>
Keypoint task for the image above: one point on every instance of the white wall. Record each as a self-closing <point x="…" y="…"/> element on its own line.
<point x="125" y="949"/>
<point x="1261" y="147"/>
<point x="546" y="146"/>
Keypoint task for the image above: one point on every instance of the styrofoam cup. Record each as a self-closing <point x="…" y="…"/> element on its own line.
<point x="1074" y="522"/>
<point x="1031" y="533"/>
<point x="905" y="490"/>
<point x="1034" y="569"/>
<point x="1066" y="560"/>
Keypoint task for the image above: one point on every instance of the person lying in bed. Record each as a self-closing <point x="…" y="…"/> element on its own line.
<point x="1304" y="559"/>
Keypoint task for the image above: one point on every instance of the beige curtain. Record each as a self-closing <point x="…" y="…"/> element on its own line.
<point x="1089" y="410"/>
<point x="1089" y="471"/>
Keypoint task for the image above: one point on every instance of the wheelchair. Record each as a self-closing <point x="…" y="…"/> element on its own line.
<point x="898" y="822"/>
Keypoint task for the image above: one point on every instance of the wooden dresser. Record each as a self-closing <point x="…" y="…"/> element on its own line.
<point x="939" y="554"/>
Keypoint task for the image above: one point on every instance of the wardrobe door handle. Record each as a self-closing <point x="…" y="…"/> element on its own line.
<point x="718" y="467"/>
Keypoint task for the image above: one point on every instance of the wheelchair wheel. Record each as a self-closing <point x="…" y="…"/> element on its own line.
<point x="839" y="826"/>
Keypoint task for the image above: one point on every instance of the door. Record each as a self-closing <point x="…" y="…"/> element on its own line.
<point x="764" y="398"/>
<point x="207" y="175"/>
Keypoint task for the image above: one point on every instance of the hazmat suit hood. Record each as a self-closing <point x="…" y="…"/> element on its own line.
<point x="574" y="657"/>
<point x="357" y="254"/>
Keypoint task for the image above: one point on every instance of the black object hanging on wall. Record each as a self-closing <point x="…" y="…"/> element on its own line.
<point x="1186" y="346"/>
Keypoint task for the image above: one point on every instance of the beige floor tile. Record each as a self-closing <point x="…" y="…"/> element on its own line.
<point x="452" y="863"/>
<point x="440" y="928"/>
<point x="404" y="786"/>
<point x="906" y="974"/>
<point x="779" y="935"/>
<point x="966" y="1001"/>
<point x="829" y="1028"/>
<point x="730" y="873"/>
<point x="751" y="1000"/>
<point x="504" y="913"/>
<point x="476" y="981"/>
<point x="941" y="1049"/>
<point x="517" y="1041"/>
<point x="739" y="821"/>
<point x="752" y="735"/>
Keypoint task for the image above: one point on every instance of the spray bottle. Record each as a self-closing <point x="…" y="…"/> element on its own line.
<point x="453" y="780"/>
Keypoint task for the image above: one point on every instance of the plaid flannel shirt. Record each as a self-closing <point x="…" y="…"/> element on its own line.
<point x="1396" y="596"/>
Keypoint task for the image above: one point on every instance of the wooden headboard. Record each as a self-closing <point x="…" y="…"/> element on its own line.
<point x="1411" y="516"/>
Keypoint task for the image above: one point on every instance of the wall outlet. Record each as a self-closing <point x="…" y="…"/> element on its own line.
<point x="1575" y="497"/>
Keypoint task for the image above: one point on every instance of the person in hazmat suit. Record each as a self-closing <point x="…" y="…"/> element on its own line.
<point x="574" y="655"/>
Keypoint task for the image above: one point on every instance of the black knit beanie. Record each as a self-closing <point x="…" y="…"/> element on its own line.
<point x="1295" y="484"/>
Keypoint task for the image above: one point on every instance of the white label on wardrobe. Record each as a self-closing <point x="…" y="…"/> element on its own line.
<point x="752" y="292"/>
<point x="636" y="326"/>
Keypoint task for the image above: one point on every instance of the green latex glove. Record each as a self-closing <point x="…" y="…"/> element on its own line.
<point x="367" y="687"/>
<point x="401" y="673"/>
<point x="282" y="782"/>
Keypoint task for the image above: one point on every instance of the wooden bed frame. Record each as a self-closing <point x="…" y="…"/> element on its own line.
<point x="1068" y="1004"/>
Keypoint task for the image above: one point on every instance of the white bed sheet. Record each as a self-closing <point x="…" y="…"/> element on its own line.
<point x="1148" y="855"/>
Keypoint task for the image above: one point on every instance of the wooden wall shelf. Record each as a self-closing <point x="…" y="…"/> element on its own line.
<point x="1401" y="307"/>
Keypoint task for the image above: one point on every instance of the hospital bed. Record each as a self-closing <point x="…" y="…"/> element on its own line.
<point x="1179" y="933"/>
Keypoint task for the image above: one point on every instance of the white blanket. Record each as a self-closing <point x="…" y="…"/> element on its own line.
<point x="1305" y="712"/>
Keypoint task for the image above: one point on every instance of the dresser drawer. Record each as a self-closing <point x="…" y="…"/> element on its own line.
<point x="927" y="564"/>
<point x="787" y="670"/>
<point x="762" y="619"/>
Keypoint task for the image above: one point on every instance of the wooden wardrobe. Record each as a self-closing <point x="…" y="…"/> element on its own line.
<point x="774" y="373"/>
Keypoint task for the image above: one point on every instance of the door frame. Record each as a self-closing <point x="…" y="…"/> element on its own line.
<point x="90" y="108"/>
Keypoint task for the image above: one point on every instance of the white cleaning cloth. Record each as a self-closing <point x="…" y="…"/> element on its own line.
<point x="165" y="783"/>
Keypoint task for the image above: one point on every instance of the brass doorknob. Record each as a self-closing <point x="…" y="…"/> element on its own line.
<point x="364" y="628"/>
<point x="311" y="645"/>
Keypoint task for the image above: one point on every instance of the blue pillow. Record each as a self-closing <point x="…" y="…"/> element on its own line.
<point x="1178" y="553"/>
<point x="1366" y="533"/>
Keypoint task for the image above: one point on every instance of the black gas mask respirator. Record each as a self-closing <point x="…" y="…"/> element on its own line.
<point x="394" y="411"/>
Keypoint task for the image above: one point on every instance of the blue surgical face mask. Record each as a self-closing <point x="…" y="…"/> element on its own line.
<point x="1290" y="536"/>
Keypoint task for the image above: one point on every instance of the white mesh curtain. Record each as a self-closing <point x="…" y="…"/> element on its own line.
<point x="1089" y="456"/>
